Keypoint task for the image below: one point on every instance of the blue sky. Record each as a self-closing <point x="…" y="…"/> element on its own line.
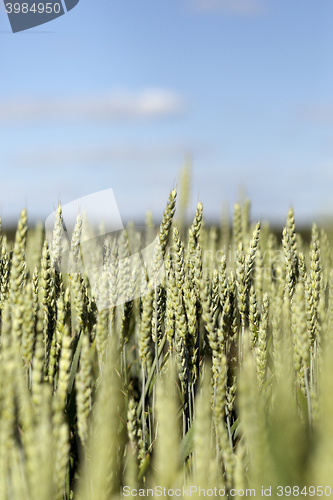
<point x="116" y="93"/>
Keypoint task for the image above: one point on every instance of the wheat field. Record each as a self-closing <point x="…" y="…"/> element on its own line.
<point x="216" y="379"/>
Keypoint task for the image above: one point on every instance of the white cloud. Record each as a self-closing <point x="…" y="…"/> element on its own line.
<point x="235" y="7"/>
<point x="117" y="105"/>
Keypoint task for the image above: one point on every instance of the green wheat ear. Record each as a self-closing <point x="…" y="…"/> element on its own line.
<point x="165" y="226"/>
<point x="168" y="471"/>
<point x="18" y="265"/>
<point x="205" y="464"/>
<point x="237" y="225"/>
<point x="185" y="191"/>
<point x="83" y="379"/>
<point x="252" y="414"/>
<point x="261" y="346"/>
